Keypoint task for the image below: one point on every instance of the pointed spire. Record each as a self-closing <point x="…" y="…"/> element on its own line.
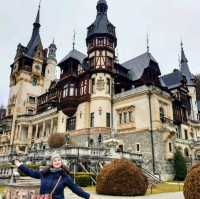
<point x="179" y="61"/>
<point x="35" y="40"/>
<point x="183" y="57"/>
<point x="74" y="40"/>
<point x="148" y="43"/>
<point x="37" y="20"/>
<point x="185" y="68"/>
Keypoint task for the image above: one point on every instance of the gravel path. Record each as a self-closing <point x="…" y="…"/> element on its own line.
<point x="177" y="195"/>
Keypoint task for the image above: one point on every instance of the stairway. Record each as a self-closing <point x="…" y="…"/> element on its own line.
<point x="152" y="179"/>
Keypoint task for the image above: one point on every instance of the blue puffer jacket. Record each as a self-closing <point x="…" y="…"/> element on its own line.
<point x="49" y="180"/>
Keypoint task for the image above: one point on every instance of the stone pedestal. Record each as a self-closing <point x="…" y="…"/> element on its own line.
<point x="21" y="191"/>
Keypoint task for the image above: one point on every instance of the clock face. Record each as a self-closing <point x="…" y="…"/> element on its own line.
<point x="38" y="66"/>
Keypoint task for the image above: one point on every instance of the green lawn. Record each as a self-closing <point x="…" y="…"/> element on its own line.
<point x="165" y="187"/>
<point x="159" y="188"/>
<point x="2" y="189"/>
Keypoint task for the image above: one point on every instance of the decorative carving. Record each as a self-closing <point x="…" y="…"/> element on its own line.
<point x="100" y="84"/>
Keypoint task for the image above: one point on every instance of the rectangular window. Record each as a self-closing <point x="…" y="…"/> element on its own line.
<point x="82" y="88"/>
<point x="71" y="124"/>
<point x="91" y="119"/>
<point x="120" y="118"/>
<point x="170" y="147"/>
<point x="107" y="119"/>
<point x="71" y="91"/>
<point x="65" y="91"/>
<point x="186" y="134"/>
<point x="125" y="117"/>
<point x="130" y="114"/>
<point x="32" y="100"/>
<point x="108" y="86"/>
<point x="137" y="147"/>
<point x="100" y="41"/>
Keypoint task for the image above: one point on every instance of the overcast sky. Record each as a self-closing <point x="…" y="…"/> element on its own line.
<point x="167" y="22"/>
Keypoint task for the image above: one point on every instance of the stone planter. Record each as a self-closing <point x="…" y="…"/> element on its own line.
<point x="21" y="191"/>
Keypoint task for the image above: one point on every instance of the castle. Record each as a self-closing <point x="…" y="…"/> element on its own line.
<point x="97" y="98"/>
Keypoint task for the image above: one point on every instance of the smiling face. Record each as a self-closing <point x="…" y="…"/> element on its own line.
<point x="57" y="163"/>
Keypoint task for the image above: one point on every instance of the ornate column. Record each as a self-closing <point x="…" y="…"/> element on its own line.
<point x="30" y="131"/>
<point x="36" y="131"/>
<point x="43" y="129"/>
<point x="51" y="128"/>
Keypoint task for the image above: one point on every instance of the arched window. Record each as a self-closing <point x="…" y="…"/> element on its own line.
<point x="162" y="114"/>
<point x="186" y="152"/>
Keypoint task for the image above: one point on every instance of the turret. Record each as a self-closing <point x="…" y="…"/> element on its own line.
<point x="50" y="70"/>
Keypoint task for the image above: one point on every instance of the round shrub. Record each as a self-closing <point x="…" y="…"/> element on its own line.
<point x="121" y="178"/>
<point x="56" y="140"/>
<point x="191" y="187"/>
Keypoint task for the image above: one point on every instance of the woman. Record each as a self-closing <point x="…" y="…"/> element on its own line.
<point x="49" y="178"/>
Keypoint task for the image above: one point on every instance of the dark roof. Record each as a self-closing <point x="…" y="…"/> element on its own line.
<point x="33" y="44"/>
<point x="75" y="54"/>
<point x="172" y="80"/>
<point x="138" y="65"/>
<point x="54" y="83"/>
<point x="101" y="25"/>
<point x="35" y="40"/>
<point x="185" y="69"/>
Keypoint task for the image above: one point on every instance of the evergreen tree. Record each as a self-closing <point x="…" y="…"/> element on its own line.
<point x="180" y="166"/>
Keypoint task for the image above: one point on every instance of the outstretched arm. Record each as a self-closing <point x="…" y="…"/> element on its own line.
<point x="76" y="189"/>
<point x="27" y="171"/>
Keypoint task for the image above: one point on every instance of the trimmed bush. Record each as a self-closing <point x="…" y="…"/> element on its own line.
<point x="84" y="180"/>
<point x="121" y="178"/>
<point x="57" y="140"/>
<point x="180" y="166"/>
<point x="191" y="187"/>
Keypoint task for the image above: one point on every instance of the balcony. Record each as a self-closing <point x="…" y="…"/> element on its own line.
<point x="185" y="142"/>
<point x="168" y="124"/>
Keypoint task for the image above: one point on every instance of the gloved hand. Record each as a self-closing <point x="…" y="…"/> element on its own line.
<point x="18" y="163"/>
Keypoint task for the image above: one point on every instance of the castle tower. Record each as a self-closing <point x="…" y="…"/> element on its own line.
<point x="101" y="43"/>
<point x="190" y="84"/>
<point x="50" y="70"/>
<point x="27" y="74"/>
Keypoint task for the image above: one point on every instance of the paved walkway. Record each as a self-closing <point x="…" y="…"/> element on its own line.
<point x="177" y="195"/>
